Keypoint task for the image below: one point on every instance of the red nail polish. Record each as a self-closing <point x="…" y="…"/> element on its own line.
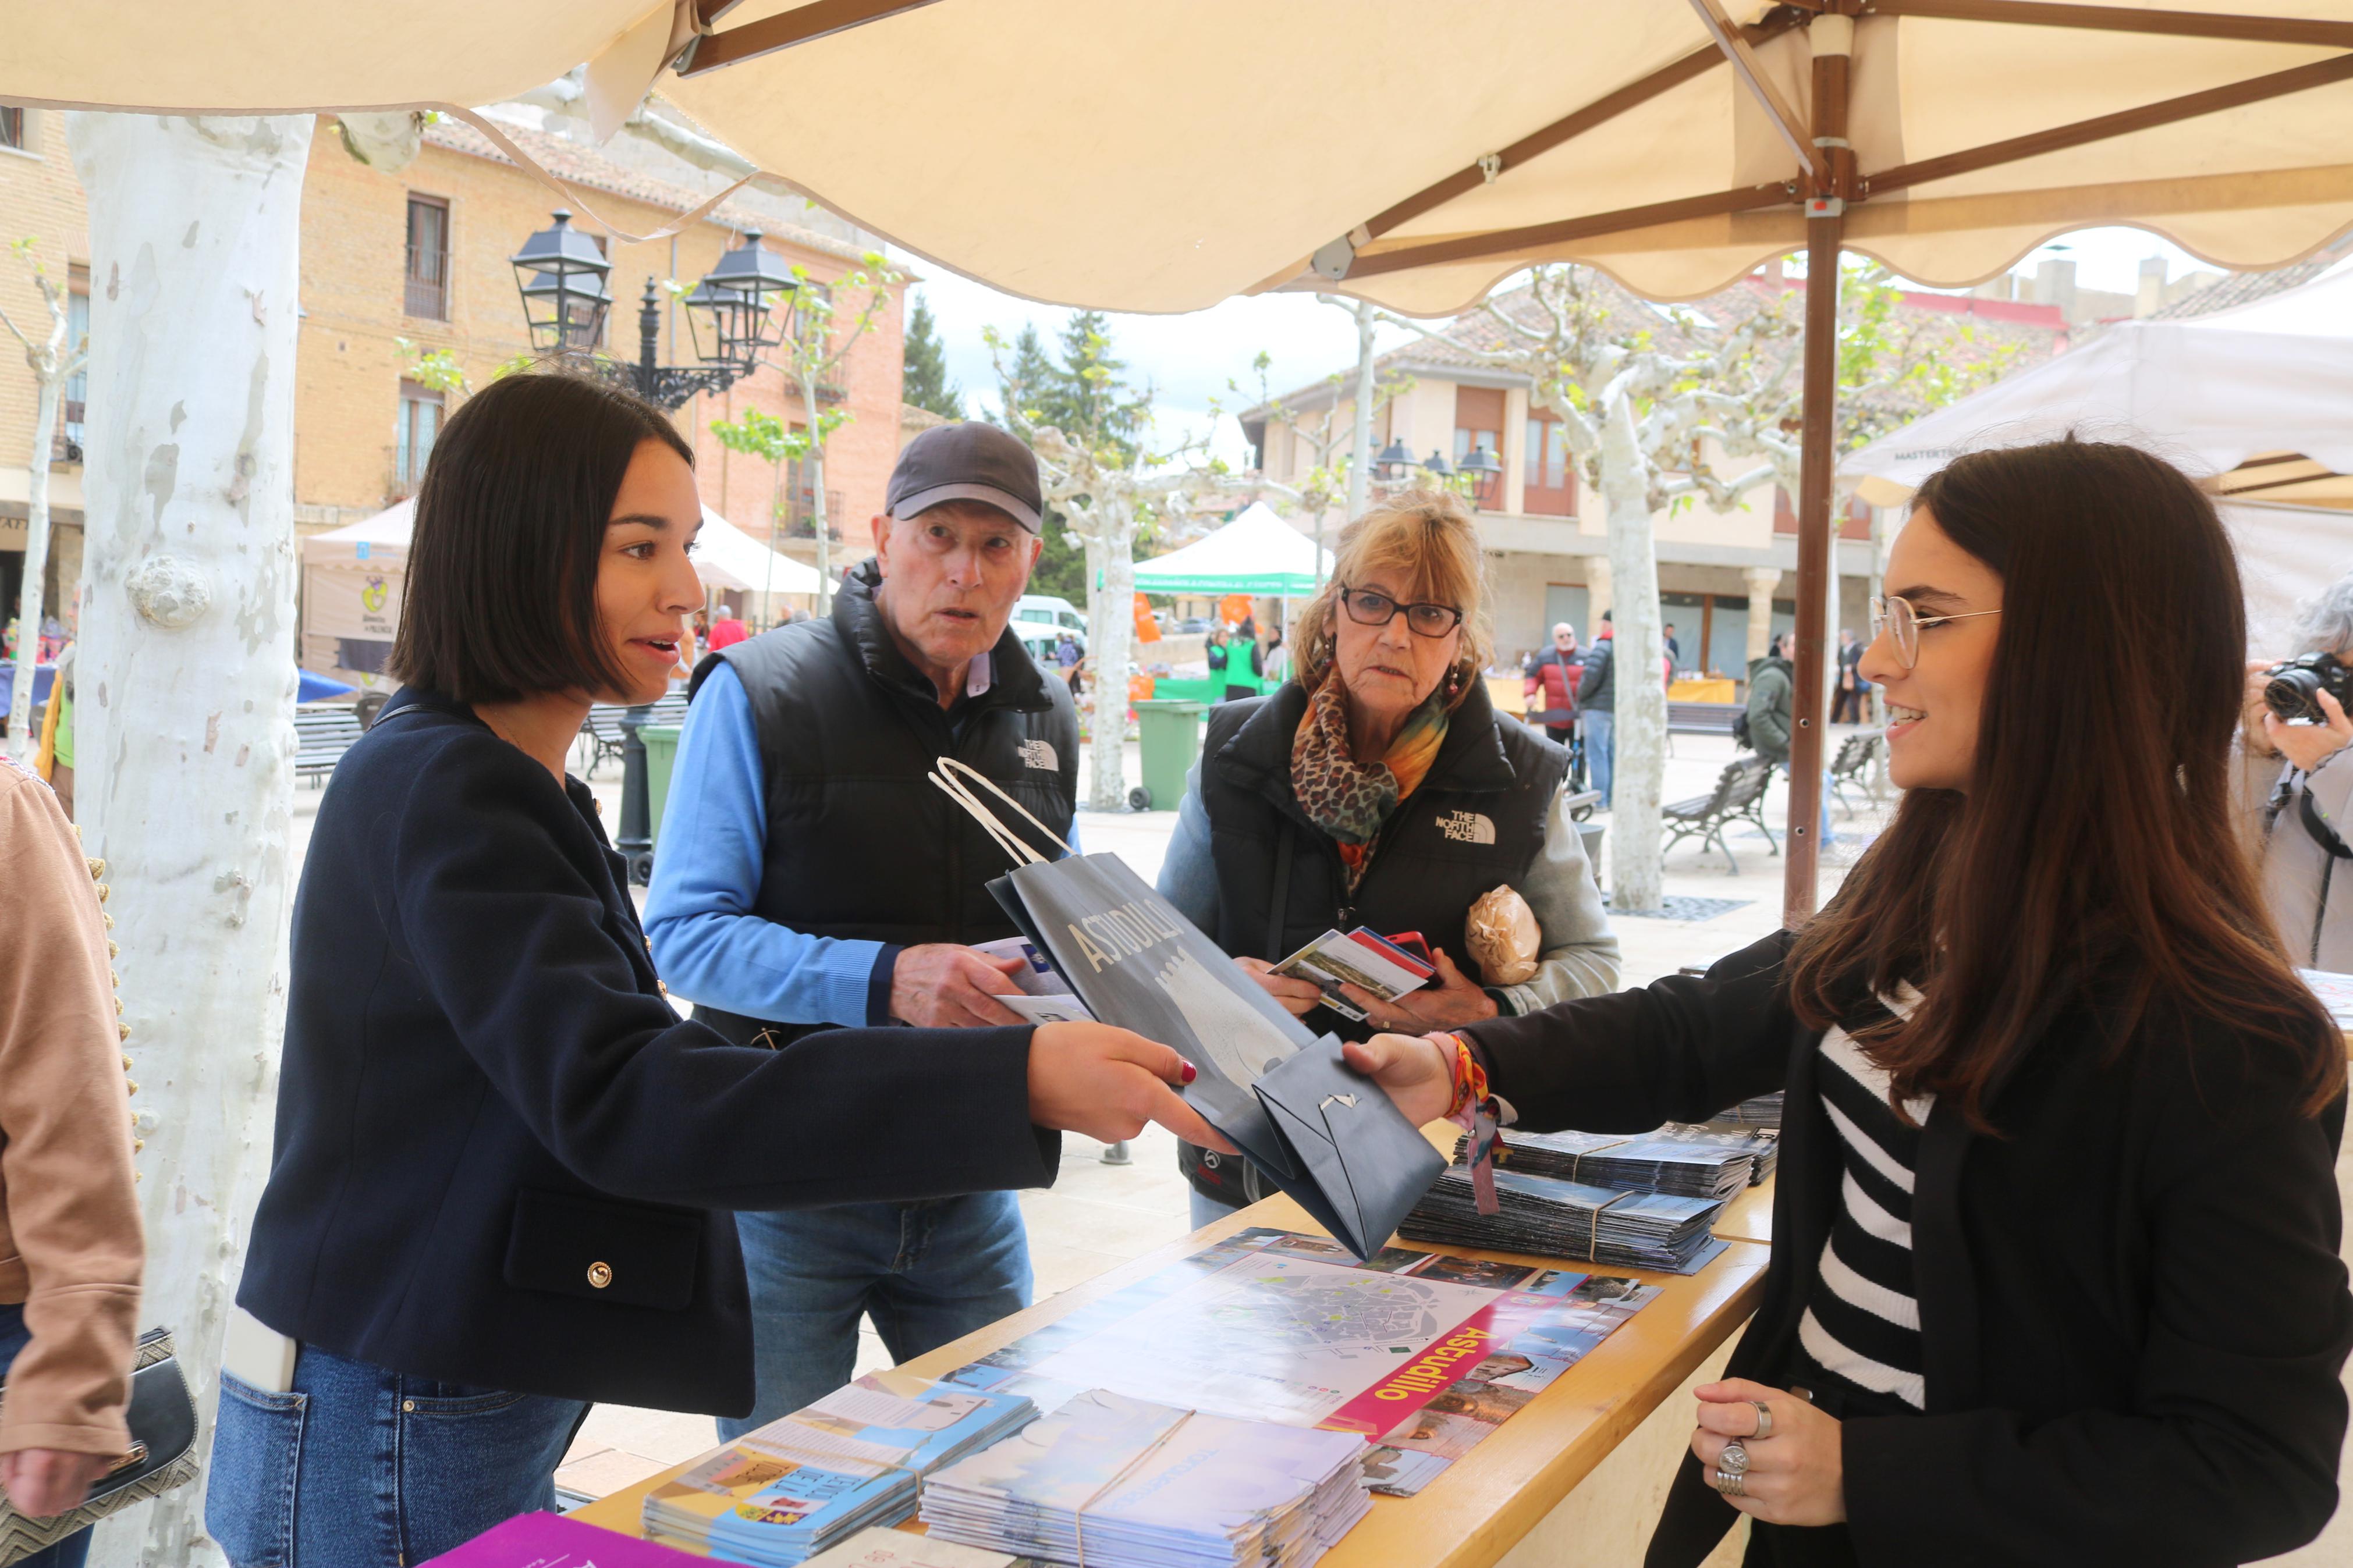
<point x="1191" y="1072"/>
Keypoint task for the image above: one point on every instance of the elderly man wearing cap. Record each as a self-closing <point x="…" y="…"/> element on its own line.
<point x="810" y="876"/>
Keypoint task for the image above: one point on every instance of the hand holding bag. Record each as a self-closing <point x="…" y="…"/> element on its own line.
<point x="162" y="1420"/>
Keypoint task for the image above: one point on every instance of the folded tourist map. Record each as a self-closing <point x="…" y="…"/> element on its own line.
<point x="1115" y="1482"/>
<point x="1555" y="1218"/>
<point x="1312" y="1126"/>
<point x="1419" y="1353"/>
<point x="797" y="1485"/>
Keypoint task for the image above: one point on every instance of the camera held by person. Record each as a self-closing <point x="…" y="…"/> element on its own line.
<point x="2292" y="687"/>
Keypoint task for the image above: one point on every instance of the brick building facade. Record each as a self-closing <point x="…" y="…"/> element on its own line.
<point x="400" y="265"/>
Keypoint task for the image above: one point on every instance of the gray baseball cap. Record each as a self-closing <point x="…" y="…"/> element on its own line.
<point x="967" y="462"/>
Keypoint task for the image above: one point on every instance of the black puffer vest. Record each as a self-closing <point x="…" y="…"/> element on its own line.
<point x="861" y="845"/>
<point x="1477" y="820"/>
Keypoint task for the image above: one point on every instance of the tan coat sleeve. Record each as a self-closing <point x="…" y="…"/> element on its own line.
<point x="70" y="1245"/>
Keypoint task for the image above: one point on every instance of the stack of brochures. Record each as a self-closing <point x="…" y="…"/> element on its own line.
<point x="1758" y="1110"/>
<point x="1553" y="1218"/>
<point x="1114" y="1482"/>
<point x="794" y="1488"/>
<point x="1761" y="1144"/>
<point x="1663" y="1162"/>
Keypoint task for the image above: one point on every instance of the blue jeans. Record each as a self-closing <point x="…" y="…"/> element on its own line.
<point x="361" y="1467"/>
<point x="925" y="1272"/>
<point x="68" y="1553"/>
<point x="1600" y="756"/>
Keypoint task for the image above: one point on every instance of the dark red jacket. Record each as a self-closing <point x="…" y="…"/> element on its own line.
<point x="1553" y="677"/>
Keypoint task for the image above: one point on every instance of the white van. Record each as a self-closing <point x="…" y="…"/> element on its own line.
<point x="1049" y="610"/>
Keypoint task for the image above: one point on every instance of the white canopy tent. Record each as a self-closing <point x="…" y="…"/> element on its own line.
<point x="353" y="577"/>
<point x="1257" y="552"/>
<point x="2256" y="400"/>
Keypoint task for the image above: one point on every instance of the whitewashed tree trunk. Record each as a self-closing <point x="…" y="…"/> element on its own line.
<point x="1111" y="634"/>
<point x="22" y="740"/>
<point x="1636" y="870"/>
<point x="186" y="684"/>
<point x="813" y="467"/>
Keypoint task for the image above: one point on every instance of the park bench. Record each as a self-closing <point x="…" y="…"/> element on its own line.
<point x="603" y="728"/>
<point x="1701" y="717"/>
<point x="1738" y="797"/>
<point x="1852" y="765"/>
<point x="321" y="736"/>
<point x="1581" y="804"/>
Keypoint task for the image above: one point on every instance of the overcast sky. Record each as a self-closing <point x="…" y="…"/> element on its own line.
<point x="1191" y="358"/>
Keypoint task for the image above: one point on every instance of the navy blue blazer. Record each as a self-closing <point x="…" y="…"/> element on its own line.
<point x="502" y="1157"/>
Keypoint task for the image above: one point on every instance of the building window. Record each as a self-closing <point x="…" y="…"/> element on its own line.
<point x="412" y="438"/>
<point x="12" y="127"/>
<point x="427" y="283"/>
<point x="1478" y="421"/>
<point x="1550" y="479"/>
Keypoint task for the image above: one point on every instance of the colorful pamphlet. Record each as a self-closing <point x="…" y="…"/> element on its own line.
<point x="1361" y="958"/>
<point x="1421" y="1353"/>
<point x="552" y="1541"/>
<point x="795" y="1487"/>
<point x="1042" y="997"/>
<point x="1114" y="1482"/>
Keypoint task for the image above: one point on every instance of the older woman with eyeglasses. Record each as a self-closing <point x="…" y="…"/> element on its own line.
<point x="1378" y="787"/>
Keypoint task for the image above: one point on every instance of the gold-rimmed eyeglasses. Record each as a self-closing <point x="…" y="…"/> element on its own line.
<point x="1895" y="616"/>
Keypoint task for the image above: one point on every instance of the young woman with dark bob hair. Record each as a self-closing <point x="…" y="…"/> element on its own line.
<point x="2055" y="1274"/>
<point x="504" y="1165"/>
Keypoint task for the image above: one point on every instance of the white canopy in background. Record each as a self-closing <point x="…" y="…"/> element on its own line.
<point x="2287" y="554"/>
<point x="2265" y="389"/>
<point x="1257" y="552"/>
<point x="352" y="578"/>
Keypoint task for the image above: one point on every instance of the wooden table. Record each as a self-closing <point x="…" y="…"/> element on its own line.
<point x="1488" y="1500"/>
<point x="1748" y="1216"/>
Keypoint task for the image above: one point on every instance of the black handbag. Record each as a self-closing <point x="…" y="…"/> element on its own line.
<point x="162" y="1420"/>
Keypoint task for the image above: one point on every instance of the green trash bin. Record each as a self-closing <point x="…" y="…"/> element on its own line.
<point x="661" y="751"/>
<point x="1168" y="732"/>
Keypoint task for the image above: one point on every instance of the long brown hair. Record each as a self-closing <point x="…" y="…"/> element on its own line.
<point x="2097" y="826"/>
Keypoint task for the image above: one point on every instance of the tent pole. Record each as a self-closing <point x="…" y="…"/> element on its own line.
<point x="1825" y="228"/>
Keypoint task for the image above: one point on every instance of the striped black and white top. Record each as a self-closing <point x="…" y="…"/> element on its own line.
<point x="1862" y="1318"/>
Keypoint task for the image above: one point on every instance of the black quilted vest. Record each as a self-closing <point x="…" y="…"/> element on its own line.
<point x="1476" y="821"/>
<point x="861" y="844"/>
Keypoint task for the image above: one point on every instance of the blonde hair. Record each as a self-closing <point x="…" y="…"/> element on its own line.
<point x="1428" y="536"/>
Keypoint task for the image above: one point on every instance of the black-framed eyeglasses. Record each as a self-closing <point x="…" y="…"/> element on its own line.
<point x="1371" y="607"/>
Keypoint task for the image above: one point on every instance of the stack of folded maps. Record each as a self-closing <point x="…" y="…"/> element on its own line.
<point x="1114" y="1482"/>
<point x="1692" y="1166"/>
<point x="777" y="1496"/>
<point x="1553" y="1218"/>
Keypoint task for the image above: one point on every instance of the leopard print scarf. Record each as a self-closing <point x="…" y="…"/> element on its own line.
<point x="1348" y="799"/>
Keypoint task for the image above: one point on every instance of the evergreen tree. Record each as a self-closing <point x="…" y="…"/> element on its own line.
<point x="927" y="385"/>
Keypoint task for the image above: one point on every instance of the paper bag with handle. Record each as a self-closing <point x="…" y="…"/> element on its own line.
<point x="1314" y="1127"/>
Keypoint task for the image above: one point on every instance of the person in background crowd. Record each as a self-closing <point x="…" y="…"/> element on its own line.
<point x="1850" y="699"/>
<point x="1066" y="650"/>
<point x="2049" y="1083"/>
<point x="2295" y="793"/>
<point x="1550" y="686"/>
<point x="1674" y="651"/>
<point x="1769" y="712"/>
<point x="1275" y="664"/>
<point x="57" y="754"/>
<point x="1244" y="648"/>
<point x="811" y="876"/>
<point x="504" y="1166"/>
<point x="687" y="645"/>
<point x="1380" y="788"/>
<point x="725" y="632"/>
<point x="1597" y="708"/>
<point x="1217" y="657"/>
<point x="70" y="1245"/>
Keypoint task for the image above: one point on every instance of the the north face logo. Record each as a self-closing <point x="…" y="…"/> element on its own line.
<point x="1467" y="827"/>
<point x="1040" y="754"/>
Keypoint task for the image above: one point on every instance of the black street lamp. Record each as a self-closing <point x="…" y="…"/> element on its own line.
<point x="1485" y="475"/>
<point x="1395" y="462"/>
<point x="561" y="274"/>
<point x="1436" y="466"/>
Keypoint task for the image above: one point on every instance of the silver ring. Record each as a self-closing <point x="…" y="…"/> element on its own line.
<point x="1734" y="1460"/>
<point x="1764" y="1419"/>
<point x="1728" y="1484"/>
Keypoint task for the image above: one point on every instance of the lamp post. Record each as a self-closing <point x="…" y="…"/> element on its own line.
<point x="1485" y="475"/>
<point x="1395" y="462"/>
<point x="560" y="274"/>
<point x="1437" y="467"/>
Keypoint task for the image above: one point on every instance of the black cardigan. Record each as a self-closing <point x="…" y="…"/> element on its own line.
<point x="502" y="1158"/>
<point x="2132" y="1310"/>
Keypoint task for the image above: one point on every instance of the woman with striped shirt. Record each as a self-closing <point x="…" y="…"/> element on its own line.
<point x="2055" y="1274"/>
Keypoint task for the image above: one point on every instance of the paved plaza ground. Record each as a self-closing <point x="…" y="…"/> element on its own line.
<point x="1097" y="1216"/>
